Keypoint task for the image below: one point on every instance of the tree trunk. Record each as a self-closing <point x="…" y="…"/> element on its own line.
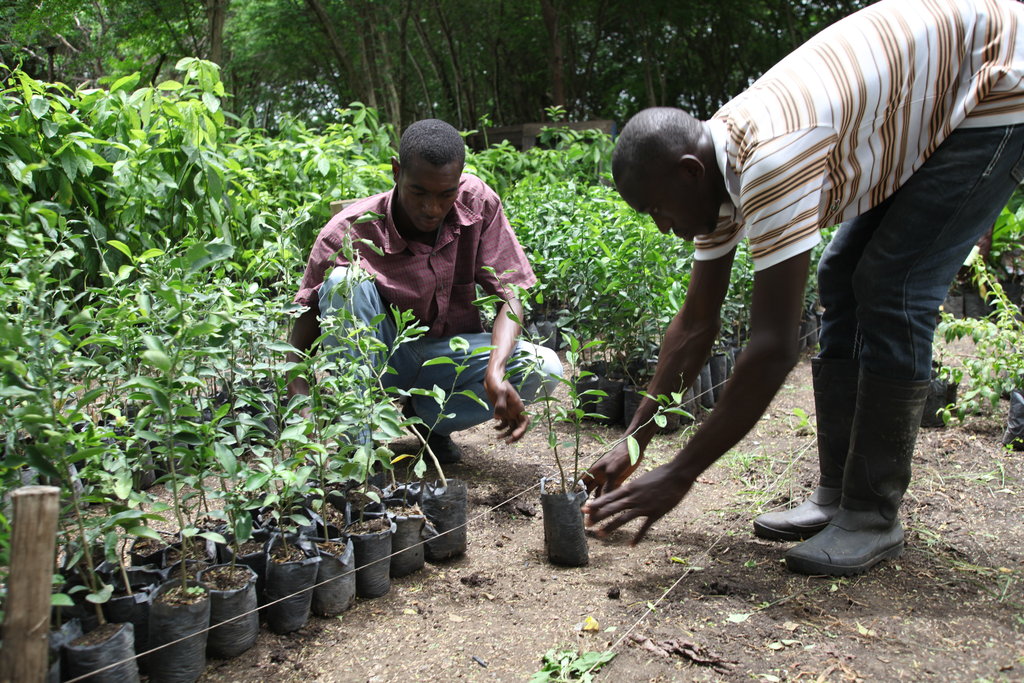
<point x="335" y="44"/>
<point x="435" y="63"/>
<point x="216" y="10"/>
<point x="453" y="57"/>
<point x="556" y="61"/>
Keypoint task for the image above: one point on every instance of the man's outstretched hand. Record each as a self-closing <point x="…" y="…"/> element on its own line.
<point x="649" y="496"/>
<point x="608" y="473"/>
<point x="509" y="411"/>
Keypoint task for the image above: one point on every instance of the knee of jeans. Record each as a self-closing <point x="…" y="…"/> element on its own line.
<point x="343" y="289"/>
<point x="544" y="372"/>
<point x="550" y="365"/>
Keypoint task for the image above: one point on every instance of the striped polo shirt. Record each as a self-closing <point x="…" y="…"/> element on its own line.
<point x="840" y="124"/>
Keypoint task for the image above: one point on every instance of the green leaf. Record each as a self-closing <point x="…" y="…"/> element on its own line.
<point x="143" y="531"/>
<point x="295" y="432"/>
<point x="439" y="360"/>
<point x="212" y="102"/>
<point x="61" y="600"/>
<point x="123" y="487"/>
<point x="634" y="449"/>
<point x="121" y="247"/>
<point x="243" y="528"/>
<point x="101" y="596"/>
<point x="39" y="106"/>
<point x="281" y="347"/>
<point x="125" y="83"/>
<point x="226" y="459"/>
<point x="213" y="536"/>
<point x="368" y="217"/>
<point x="157" y="359"/>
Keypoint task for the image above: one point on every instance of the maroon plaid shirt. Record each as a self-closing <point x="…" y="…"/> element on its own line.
<point x="436" y="282"/>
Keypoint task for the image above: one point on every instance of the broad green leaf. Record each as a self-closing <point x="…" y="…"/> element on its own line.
<point x="61" y="600"/>
<point x="125" y="83"/>
<point x="39" y="106"/>
<point x="213" y="536"/>
<point x="634" y="449"/>
<point x="143" y="532"/>
<point x="121" y="247"/>
<point x="212" y="102"/>
<point x="243" y="528"/>
<point x="101" y="596"/>
<point x="295" y="432"/>
<point x="157" y="359"/>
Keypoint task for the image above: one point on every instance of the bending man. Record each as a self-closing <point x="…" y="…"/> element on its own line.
<point x="901" y="121"/>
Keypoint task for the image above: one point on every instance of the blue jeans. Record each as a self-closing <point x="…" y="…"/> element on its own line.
<point x="885" y="274"/>
<point x="530" y="366"/>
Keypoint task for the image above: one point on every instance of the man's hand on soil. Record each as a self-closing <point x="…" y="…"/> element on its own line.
<point x="510" y="413"/>
<point x="649" y="496"/>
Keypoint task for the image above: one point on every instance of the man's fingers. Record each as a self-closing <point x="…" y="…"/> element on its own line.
<point x="608" y="505"/>
<point x="614" y="524"/>
<point x="520" y="430"/>
<point x="609" y="486"/>
<point x="643" y="530"/>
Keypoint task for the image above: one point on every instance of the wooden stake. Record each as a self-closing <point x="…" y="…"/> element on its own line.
<point x="26" y="629"/>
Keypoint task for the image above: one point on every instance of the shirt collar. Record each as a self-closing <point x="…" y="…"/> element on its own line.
<point x="459" y="216"/>
<point x="719" y="141"/>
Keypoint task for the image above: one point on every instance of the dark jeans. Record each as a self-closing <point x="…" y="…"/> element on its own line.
<point x="885" y="274"/>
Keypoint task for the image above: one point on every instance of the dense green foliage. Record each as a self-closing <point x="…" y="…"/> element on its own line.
<point x="451" y="59"/>
<point x="152" y="249"/>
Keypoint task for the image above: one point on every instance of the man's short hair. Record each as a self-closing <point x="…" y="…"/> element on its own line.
<point x="652" y="135"/>
<point x="433" y="141"/>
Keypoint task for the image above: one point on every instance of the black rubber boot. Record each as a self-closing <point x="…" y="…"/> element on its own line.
<point x="835" y="398"/>
<point x="866" y="529"/>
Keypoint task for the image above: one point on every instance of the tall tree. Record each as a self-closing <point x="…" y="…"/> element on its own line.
<point x="550" y="12"/>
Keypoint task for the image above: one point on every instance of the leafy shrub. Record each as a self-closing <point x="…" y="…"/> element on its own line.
<point x="997" y="365"/>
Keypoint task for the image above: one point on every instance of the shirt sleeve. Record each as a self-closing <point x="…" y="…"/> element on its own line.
<point x="500" y="250"/>
<point x="782" y="189"/>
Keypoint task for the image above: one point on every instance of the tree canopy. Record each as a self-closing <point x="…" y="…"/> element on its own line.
<point x="470" y="63"/>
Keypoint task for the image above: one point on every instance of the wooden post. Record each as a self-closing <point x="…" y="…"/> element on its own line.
<point x="337" y="206"/>
<point x="26" y="627"/>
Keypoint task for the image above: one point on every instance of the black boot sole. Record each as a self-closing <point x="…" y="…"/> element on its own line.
<point x="791" y="534"/>
<point x="804" y="565"/>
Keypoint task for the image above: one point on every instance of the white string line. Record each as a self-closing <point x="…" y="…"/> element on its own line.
<point x="387" y="557"/>
<point x="652" y="607"/>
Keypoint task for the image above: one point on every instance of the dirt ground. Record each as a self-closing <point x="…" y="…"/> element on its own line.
<point x="701" y="599"/>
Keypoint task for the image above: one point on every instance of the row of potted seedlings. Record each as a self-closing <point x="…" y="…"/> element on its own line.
<point x="179" y="600"/>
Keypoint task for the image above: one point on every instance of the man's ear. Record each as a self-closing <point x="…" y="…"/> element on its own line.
<point x="691" y="166"/>
<point x="396" y="168"/>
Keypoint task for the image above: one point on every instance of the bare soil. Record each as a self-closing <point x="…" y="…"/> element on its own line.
<point x="701" y="599"/>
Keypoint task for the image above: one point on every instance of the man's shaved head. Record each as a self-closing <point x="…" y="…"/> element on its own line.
<point x="433" y="141"/>
<point x="650" y="138"/>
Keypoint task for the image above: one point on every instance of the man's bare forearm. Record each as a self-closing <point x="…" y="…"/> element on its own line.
<point x="504" y="337"/>
<point x="305" y="332"/>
